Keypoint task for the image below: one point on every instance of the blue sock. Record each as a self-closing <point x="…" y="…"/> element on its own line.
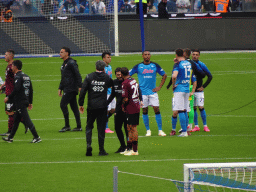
<point x="174" y="122"/>
<point x="203" y="115"/>
<point x="146" y="121"/>
<point x="159" y="121"/>
<point x="186" y="115"/>
<point x="106" y="125"/>
<point x="183" y="120"/>
<point x="195" y="117"/>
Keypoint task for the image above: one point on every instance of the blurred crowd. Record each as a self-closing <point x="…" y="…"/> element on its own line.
<point x="35" y="7"/>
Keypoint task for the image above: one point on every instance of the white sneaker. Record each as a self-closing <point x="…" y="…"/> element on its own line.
<point x="161" y="133"/>
<point x="189" y="128"/>
<point x="183" y="134"/>
<point x="128" y="152"/>
<point x="180" y="131"/>
<point x="131" y="152"/>
<point x="123" y="152"/>
<point x="148" y="133"/>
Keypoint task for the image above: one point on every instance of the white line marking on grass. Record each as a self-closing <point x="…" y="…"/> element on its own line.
<point x="160" y="77"/>
<point x="115" y="137"/>
<point x="163" y="115"/>
<point x="128" y="161"/>
<point x="140" y="60"/>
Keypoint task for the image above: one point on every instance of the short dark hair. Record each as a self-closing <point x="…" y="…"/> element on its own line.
<point x="145" y="51"/>
<point x="179" y="52"/>
<point x="67" y="50"/>
<point x="196" y="50"/>
<point x="18" y="64"/>
<point x="118" y="69"/>
<point x="125" y="71"/>
<point x="10" y="51"/>
<point x="100" y="65"/>
<point x="105" y="53"/>
<point x="187" y="51"/>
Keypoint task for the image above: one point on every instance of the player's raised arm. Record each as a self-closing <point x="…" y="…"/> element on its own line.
<point x="209" y="75"/>
<point x="133" y="70"/>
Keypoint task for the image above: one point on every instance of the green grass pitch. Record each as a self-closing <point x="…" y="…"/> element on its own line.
<point x="59" y="163"/>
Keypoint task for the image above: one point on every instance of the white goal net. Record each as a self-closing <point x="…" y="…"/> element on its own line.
<point x="220" y="177"/>
<point x="38" y="27"/>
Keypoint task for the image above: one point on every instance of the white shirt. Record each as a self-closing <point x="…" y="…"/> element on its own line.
<point x="99" y="7"/>
<point x="182" y="3"/>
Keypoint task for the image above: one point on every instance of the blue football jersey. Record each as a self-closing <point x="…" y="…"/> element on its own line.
<point x="108" y="70"/>
<point x="183" y="78"/>
<point x="147" y="76"/>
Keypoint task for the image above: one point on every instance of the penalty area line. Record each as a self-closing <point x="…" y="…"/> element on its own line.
<point x="114" y="137"/>
<point x="128" y="161"/>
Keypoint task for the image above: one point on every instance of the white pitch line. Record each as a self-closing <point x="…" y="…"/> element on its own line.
<point x="140" y="60"/>
<point x="217" y="72"/>
<point x="163" y="115"/>
<point x="128" y="161"/>
<point x="114" y="137"/>
<point x="159" y="77"/>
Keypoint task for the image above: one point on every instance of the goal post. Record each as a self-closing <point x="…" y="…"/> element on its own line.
<point x="240" y="176"/>
<point x="48" y="25"/>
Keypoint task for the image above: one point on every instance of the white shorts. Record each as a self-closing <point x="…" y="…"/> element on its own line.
<point x="111" y="105"/>
<point x="150" y="100"/>
<point x="199" y="99"/>
<point x="180" y="101"/>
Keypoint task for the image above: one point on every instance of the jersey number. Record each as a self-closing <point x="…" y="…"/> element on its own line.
<point x="135" y="90"/>
<point x="187" y="71"/>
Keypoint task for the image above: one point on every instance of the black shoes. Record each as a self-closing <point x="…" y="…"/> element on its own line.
<point x="64" y="129"/>
<point x="121" y="149"/>
<point x="5" y="134"/>
<point x="36" y="140"/>
<point x="103" y="153"/>
<point x="89" y="151"/>
<point x="7" y="139"/>
<point x="77" y="129"/>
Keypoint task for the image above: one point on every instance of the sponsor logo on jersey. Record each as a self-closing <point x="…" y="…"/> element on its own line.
<point x="97" y="82"/>
<point x="185" y="81"/>
<point x="147" y="71"/>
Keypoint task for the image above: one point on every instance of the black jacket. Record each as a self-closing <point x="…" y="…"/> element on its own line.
<point x="22" y="93"/>
<point x="116" y="92"/>
<point x="162" y="12"/>
<point x="97" y="84"/>
<point x="71" y="79"/>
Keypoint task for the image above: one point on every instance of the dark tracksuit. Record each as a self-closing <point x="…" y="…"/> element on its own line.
<point x="71" y="80"/>
<point x="22" y="95"/>
<point x="96" y="84"/>
<point x="120" y="117"/>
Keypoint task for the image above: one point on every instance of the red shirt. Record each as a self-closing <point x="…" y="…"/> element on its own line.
<point x="130" y="90"/>
<point x="9" y="80"/>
